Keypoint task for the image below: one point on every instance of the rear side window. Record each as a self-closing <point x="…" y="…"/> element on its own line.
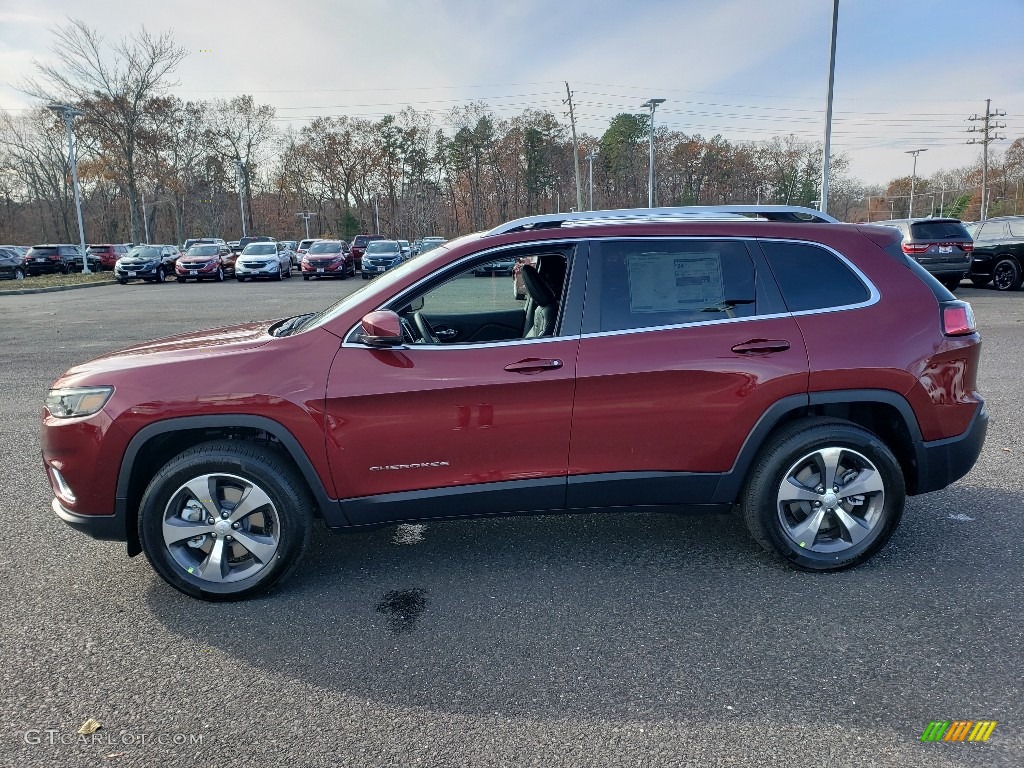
<point x="938" y="230"/>
<point x="1017" y="228"/>
<point x="646" y="284"/>
<point x="811" y="277"/>
<point x="992" y="230"/>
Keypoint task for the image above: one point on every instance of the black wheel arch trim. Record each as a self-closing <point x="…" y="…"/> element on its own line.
<point x="329" y="508"/>
<point x="731" y="483"/>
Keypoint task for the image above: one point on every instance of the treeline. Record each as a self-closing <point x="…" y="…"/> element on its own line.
<point x="152" y="162"/>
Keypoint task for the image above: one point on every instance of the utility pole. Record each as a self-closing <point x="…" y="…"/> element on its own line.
<point x="653" y="104"/>
<point x="575" y="148"/>
<point x="306" y="216"/>
<point x="241" y="191"/>
<point x="590" y="159"/>
<point x="989" y="126"/>
<point x="376" y="213"/>
<point x="68" y="115"/>
<point x="913" y="179"/>
<point x="145" y="217"/>
<point x="828" y="110"/>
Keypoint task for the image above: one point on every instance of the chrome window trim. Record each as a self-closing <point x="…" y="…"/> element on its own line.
<point x="873" y="298"/>
<point x="454" y="267"/>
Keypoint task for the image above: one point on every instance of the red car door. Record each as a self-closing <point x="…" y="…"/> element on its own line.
<point x="685" y="347"/>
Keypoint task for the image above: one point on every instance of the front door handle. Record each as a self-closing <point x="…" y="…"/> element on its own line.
<point x="761" y="346"/>
<point x="445" y="333"/>
<point x="533" y="365"/>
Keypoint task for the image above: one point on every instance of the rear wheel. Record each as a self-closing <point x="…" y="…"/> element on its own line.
<point x="1007" y="274"/>
<point x="824" y="495"/>
<point x="225" y="520"/>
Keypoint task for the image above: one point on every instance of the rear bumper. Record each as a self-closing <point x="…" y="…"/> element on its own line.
<point x="105" y="527"/>
<point x="943" y="462"/>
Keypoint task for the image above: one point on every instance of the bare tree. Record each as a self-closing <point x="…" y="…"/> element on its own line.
<point x="114" y="91"/>
<point x="242" y="130"/>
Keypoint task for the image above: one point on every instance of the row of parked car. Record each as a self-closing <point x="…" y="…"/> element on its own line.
<point x="216" y="259"/>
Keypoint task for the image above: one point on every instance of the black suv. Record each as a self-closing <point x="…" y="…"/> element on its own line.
<point x="61" y="258"/>
<point x="998" y="252"/>
<point x="942" y="246"/>
<point x="151" y="263"/>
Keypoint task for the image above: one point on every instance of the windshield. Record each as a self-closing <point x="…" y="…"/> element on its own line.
<point x="324" y="248"/>
<point x="360" y="241"/>
<point x="382" y="246"/>
<point x="203" y="250"/>
<point x="260" y="249"/>
<point x="144" y="253"/>
<point x="939" y="230"/>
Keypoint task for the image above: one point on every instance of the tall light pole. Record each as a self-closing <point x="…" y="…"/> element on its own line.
<point x="653" y="104"/>
<point x="145" y="218"/>
<point x="241" y="191"/>
<point x="828" y="109"/>
<point x="913" y="178"/>
<point x="68" y="114"/>
<point x="306" y="216"/>
<point x="590" y="160"/>
<point x="376" y="214"/>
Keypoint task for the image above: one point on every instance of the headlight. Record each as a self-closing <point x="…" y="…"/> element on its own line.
<point x="77" y="401"/>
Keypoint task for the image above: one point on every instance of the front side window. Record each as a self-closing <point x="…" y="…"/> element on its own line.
<point x="646" y="284"/>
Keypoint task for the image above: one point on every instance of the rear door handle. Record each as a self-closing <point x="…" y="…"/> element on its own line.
<point x="761" y="346"/>
<point x="533" y="365"/>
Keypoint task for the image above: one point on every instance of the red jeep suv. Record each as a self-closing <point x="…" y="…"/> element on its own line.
<point x="768" y="359"/>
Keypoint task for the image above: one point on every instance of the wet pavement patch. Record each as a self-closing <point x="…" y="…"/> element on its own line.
<point x="403" y="608"/>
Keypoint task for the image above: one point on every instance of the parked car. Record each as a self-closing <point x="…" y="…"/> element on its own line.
<point x="269" y="260"/>
<point x="235" y="246"/>
<point x="11" y="264"/>
<point x="503" y="267"/>
<point x="108" y="253"/>
<point x="328" y="258"/>
<point x="942" y="246"/>
<point x="201" y="241"/>
<point x="255" y="239"/>
<point x="380" y="256"/>
<point x="430" y="243"/>
<point x="359" y="243"/>
<point x="203" y="262"/>
<point x="406" y="248"/>
<point x="304" y="246"/>
<point x="998" y="252"/>
<point x="21" y="250"/>
<point x="61" y="258"/>
<point x="150" y="263"/>
<point x="727" y="326"/>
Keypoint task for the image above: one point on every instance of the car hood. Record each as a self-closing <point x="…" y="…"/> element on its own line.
<point x="172" y="349"/>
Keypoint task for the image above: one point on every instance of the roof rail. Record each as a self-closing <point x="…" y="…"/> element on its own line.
<point x="686" y="213"/>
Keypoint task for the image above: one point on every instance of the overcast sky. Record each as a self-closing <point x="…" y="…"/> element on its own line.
<point x="908" y="72"/>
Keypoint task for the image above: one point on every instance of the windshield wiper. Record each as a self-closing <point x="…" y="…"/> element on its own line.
<point x="292" y="324"/>
<point x="726" y="304"/>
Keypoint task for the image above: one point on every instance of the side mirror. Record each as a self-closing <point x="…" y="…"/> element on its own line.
<point x="381" y="329"/>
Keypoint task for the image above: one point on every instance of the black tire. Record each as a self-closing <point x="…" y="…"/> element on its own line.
<point x="235" y="463"/>
<point x="1006" y="274"/>
<point x="19" y="273"/>
<point x="280" y="274"/>
<point x="180" y="279"/>
<point x="305" y="277"/>
<point x="220" y="275"/>
<point x="240" y="279"/>
<point x="951" y="283"/>
<point x="982" y="280"/>
<point x="773" y="523"/>
<point x="160" y="276"/>
<point x="365" y="276"/>
<point x="121" y="281"/>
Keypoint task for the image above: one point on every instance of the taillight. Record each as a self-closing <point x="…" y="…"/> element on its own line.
<point x="915" y="247"/>
<point x="968" y="247"/>
<point x="958" y="319"/>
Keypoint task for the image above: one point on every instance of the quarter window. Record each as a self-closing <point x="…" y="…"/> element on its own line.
<point x="1017" y="228"/>
<point x="646" y="284"/>
<point x="811" y="277"/>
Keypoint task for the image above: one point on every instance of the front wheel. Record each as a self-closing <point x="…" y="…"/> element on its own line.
<point x="305" y="277"/>
<point x="1007" y="274"/>
<point x="220" y="275"/>
<point x="824" y="495"/>
<point x="19" y="274"/>
<point x="225" y="520"/>
<point x="160" y="276"/>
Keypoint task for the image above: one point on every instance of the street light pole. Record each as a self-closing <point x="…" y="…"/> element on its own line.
<point x="306" y="216"/>
<point x="376" y="214"/>
<point x="590" y="160"/>
<point x="68" y="114"/>
<point x="913" y="178"/>
<point x="145" y="217"/>
<point x="828" y="110"/>
<point x="241" y="191"/>
<point x="653" y="104"/>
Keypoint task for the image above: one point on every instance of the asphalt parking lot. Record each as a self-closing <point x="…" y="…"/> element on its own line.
<point x="604" y="640"/>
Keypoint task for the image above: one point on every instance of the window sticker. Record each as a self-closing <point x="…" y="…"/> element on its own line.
<point x="669" y="282"/>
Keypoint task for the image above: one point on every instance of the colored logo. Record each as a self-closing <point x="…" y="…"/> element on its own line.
<point x="958" y="730"/>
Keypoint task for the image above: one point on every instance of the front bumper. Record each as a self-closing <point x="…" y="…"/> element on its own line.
<point x="270" y="270"/>
<point x="127" y="273"/>
<point x="942" y="462"/>
<point x="104" y="527"/>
